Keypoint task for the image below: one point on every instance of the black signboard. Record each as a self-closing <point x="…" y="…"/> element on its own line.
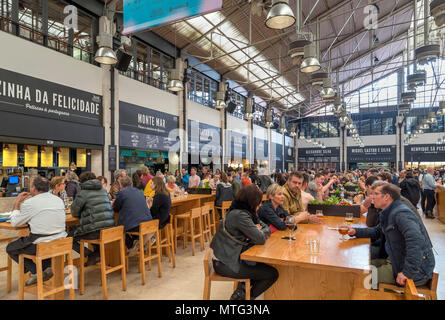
<point x="424" y="152"/>
<point x="260" y="149"/>
<point x="372" y="154"/>
<point x="112" y="155"/>
<point x="331" y="154"/>
<point x="289" y="150"/>
<point x="25" y="95"/>
<point x="143" y="128"/>
<point x="237" y="143"/>
<point x="204" y="138"/>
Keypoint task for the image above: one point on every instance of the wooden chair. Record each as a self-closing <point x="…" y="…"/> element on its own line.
<point x="429" y="290"/>
<point x="409" y="293"/>
<point x="225" y="206"/>
<point x="213" y="219"/>
<point x="205" y="214"/>
<point x="189" y="219"/>
<point x="56" y="249"/>
<point x="146" y="228"/>
<point x="211" y="275"/>
<point x="8" y="268"/>
<point x="166" y="242"/>
<point x="107" y="236"/>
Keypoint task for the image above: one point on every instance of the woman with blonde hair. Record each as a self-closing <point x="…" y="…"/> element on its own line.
<point x="271" y="212"/>
<point x="145" y="177"/>
<point x="171" y="185"/>
<point x="160" y="205"/>
<point x="57" y="188"/>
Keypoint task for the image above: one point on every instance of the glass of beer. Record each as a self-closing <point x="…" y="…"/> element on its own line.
<point x="291" y="226"/>
<point x="349" y="217"/>
<point x="343" y="230"/>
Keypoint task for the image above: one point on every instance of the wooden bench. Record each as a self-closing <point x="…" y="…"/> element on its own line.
<point x="409" y="293"/>
<point x="429" y="290"/>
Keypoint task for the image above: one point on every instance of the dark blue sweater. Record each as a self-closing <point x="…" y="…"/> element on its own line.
<point x="132" y="208"/>
<point x="270" y="216"/>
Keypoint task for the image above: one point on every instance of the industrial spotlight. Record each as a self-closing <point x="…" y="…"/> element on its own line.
<point x="310" y="63"/>
<point x="437" y="10"/>
<point x="280" y="16"/>
<point x="327" y="92"/>
<point x="432" y="118"/>
<point x="441" y="111"/>
<point x="105" y="53"/>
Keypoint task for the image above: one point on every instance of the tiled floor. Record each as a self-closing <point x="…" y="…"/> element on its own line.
<point x="186" y="281"/>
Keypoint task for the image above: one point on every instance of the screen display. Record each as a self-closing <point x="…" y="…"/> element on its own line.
<point x="13" y="180"/>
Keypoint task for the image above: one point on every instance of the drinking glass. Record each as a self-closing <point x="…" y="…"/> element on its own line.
<point x="70" y="201"/>
<point x="343" y="230"/>
<point x="319" y="213"/>
<point x="291" y="225"/>
<point x="314" y="245"/>
<point x="349" y="217"/>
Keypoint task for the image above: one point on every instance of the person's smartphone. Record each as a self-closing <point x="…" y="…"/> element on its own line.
<point x="287" y="238"/>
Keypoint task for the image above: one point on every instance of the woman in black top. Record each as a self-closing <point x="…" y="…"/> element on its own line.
<point x="161" y="204"/>
<point x="240" y="229"/>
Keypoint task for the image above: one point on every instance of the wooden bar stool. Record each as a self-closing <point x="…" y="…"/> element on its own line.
<point x="190" y="231"/>
<point x="8" y="268"/>
<point x="205" y="214"/>
<point x="107" y="236"/>
<point x="56" y="249"/>
<point x="409" y="293"/>
<point x="146" y="228"/>
<point x="211" y="275"/>
<point x="429" y="290"/>
<point x="167" y="242"/>
<point x="225" y="206"/>
<point x="213" y="219"/>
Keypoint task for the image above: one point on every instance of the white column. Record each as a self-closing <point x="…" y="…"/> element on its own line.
<point x="250" y="155"/>
<point x="269" y="150"/>
<point x="398" y="146"/>
<point x="106" y="119"/>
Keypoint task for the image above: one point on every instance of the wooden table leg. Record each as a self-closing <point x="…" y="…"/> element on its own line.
<point x="58" y="266"/>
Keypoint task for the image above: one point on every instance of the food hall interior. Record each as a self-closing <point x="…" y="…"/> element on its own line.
<point x="303" y="90"/>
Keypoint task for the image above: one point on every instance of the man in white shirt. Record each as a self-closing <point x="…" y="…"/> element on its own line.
<point x="194" y="179"/>
<point x="45" y="215"/>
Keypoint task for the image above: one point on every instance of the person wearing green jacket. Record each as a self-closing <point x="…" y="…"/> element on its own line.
<point x="92" y="206"/>
<point x="236" y="186"/>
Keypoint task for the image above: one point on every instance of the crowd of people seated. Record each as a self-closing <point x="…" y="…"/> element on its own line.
<point x="400" y="245"/>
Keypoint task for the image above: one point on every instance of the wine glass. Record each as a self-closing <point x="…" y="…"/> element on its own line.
<point x="343" y="230"/>
<point x="291" y="225"/>
<point x="349" y="218"/>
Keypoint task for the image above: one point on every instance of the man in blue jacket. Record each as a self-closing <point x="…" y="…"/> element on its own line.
<point x="407" y="242"/>
<point x="133" y="209"/>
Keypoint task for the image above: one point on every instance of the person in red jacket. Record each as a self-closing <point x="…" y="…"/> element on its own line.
<point x="245" y="179"/>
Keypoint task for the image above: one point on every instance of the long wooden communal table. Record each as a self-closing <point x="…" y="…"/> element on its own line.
<point x="333" y="273"/>
<point x="185" y="203"/>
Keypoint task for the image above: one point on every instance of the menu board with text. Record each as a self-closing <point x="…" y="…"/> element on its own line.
<point x="10" y="155"/>
<point x="31" y="156"/>
<point x="81" y="158"/>
<point x="46" y="157"/>
<point x="64" y="157"/>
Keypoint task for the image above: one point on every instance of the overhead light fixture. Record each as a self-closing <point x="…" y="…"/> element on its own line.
<point x="302" y="136"/>
<point x="88" y="152"/>
<point x="5" y="146"/>
<point x="293" y="131"/>
<point x="310" y="63"/>
<point x="425" y="124"/>
<point x="280" y="15"/>
<point x="441" y="111"/>
<point x="248" y="114"/>
<point x="327" y="92"/>
<point x="317" y="78"/>
<point x="105" y="54"/>
<point x="177" y="76"/>
<point x="432" y="118"/>
<point x="283" y="129"/>
<point x="439" y="141"/>
<point x="308" y="139"/>
<point x="408" y="97"/>
<point x="437" y="11"/>
<point x="221" y="96"/>
<point x="269" y="118"/>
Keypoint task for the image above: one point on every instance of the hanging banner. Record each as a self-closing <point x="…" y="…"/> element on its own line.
<point x="81" y="158"/>
<point x="144" y="14"/>
<point x="31" y="156"/>
<point x="10" y="156"/>
<point x="372" y="154"/>
<point x="46" y="157"/>
<point x="64" y="157"/>
<point x="424" y="152"/>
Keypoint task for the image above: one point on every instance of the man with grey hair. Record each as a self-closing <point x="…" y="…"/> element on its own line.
<point x="72" y="186"/>
<point x="116" y="187"/>
<point x="429" y="185"/>
<point x="132" y="208"/>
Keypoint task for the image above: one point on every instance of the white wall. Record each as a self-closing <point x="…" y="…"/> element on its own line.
<point x="329" y="142"/>
<point x="428" y="138"/>
<point x="144" y="95"/>
<point x="388" y="140"/>
<point x="198" y="112"/>
<point x="22" y="56"/>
